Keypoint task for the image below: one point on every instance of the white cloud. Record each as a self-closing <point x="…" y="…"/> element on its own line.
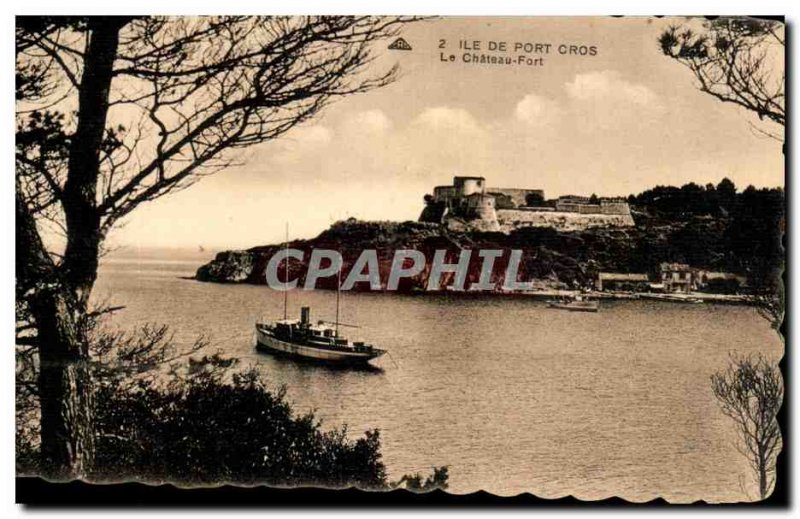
<point x="315" y="135"/>
<point x="608" y="85"/>
<point x="371" y="122"/>
<point x="303" y="140"/>
<point x="449" y="119"/>
<point x="442" y="141"/>
<point x="535" y="109"/>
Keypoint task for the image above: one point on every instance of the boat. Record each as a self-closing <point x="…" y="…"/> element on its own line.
<point x="320" y="342"/>
<point x="576" y="304"/>
<point x="303" y="340"/>
<point x="675" y="298"/>
<point x="682" y="299"/>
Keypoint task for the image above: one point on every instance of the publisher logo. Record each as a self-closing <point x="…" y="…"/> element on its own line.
<point x="400" y="44"/>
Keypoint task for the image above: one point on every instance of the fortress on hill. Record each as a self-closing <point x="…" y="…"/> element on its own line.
<point x="468" y="204"/>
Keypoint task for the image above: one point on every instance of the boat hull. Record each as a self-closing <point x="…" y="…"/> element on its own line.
<point x="269" y="344"/>
<point x="574" y="308"/>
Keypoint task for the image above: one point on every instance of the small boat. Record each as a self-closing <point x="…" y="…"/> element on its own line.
<point x="676" y="298"/>
<point x="683" y="299"/>
<point x="577" y="304"/>
<point x="320" y="342"/>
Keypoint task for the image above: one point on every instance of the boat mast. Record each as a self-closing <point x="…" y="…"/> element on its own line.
<point x="338" y="287"/>
<point x="286" y="272"/>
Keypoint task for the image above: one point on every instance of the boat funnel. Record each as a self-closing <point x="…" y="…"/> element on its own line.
<point x="305" y="315"/>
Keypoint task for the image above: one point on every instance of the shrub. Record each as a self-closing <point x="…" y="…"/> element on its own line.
<point x="199" y="429"/>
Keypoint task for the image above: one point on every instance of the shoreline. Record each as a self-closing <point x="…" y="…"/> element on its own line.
<point x="689" y="298"/>
<point x="679" y="298"/>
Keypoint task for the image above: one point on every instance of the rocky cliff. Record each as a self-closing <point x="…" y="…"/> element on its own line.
<point x="551" y="258"/>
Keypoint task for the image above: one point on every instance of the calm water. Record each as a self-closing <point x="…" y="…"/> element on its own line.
<point x="513" y="396"/>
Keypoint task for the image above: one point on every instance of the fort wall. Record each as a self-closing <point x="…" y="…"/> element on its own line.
<point x="510" y="219"/>
<point x="518" y="196"/>
<point x="468" y="202"/>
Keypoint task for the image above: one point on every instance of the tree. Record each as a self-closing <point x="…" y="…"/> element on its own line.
<point x="735" y="60"/>
<point x="726" y="192"/>
<point x="739" y="61"/>
<point x="750" y="392"/>
<point x="534" y="199"/>
<point x="113" y="112"/>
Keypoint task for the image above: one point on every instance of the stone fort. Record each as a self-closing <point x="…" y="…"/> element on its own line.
<point x="468" y="204"/>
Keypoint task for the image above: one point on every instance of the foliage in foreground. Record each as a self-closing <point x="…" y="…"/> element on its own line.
<point x="158" y="419"/>
<point x="204" y="431"/>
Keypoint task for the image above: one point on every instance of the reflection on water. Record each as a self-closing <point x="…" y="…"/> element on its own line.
<point x="513" y="396"/>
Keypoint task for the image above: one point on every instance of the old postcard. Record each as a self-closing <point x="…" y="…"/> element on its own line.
<point x="534" y="255"/>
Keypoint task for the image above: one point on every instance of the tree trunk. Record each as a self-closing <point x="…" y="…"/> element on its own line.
<point x="65" y="388"/>
<point x="64" y="385"/>
<point x="81" y="255"/>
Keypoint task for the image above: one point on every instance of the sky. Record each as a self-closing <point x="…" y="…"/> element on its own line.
<point x="613" y="123"/>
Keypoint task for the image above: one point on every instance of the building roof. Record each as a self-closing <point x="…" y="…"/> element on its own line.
<point x="618" y="276"/>
<point x="675" y="266"/>
<point x="468" y="178"/>
<point x="719" y="275"/>
<point x="501" y="189"/>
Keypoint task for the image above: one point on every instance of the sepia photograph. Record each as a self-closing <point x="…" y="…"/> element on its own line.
<point x="407" y="255"/>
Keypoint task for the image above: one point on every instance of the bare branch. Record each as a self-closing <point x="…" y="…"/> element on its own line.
<point x="210" y="85"/>
<point x="750" y="392"/>
<point x="733" y="60"/>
